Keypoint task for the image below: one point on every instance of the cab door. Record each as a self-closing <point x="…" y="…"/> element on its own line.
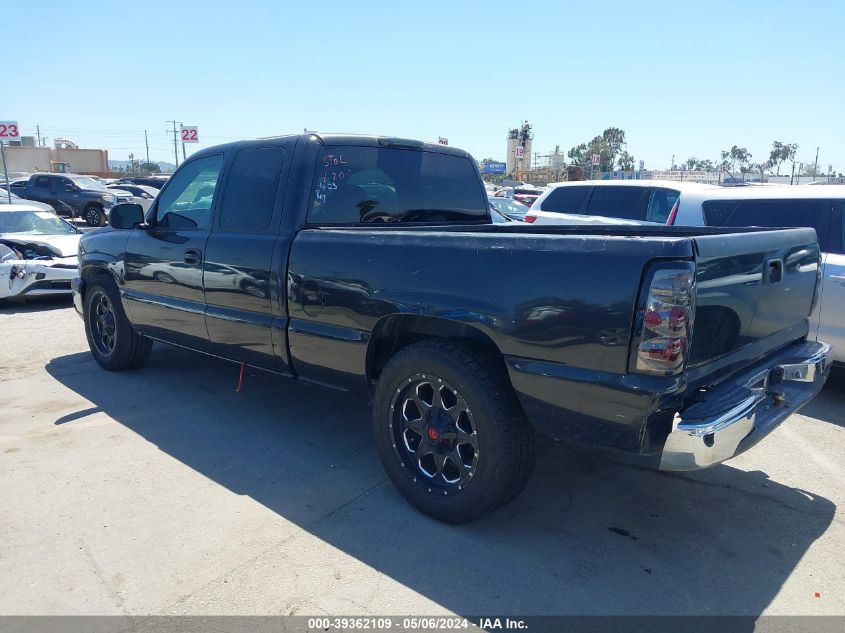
<point x="164" y="260"/>
<point x="246" y="311"/>
<point x="66" y="197"/>
<point x="40" y="189"/>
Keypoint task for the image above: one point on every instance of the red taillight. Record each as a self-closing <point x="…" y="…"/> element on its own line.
<point x="662" y="338"/>
<point x="652" y="318"/>
<point x="670" y="221"/>
<point x="530" y="219"/>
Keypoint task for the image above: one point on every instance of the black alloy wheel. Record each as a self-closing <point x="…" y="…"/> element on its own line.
<point x="450" y="431"/>
<point x="434" y="433"/>
<point x="101" y="323"/>
<point x="113" y="341"/>
<point x="94" y="216"/>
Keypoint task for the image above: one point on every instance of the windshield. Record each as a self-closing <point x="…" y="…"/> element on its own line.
<point x="526" y="192"/>
<point x="508" y="206"/>
<point x="87" y="183"/>
<point x="37" y="222"/>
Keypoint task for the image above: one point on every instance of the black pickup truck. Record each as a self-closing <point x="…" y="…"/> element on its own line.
<point x="369" y="264"/>
<point x="74" y="195"/>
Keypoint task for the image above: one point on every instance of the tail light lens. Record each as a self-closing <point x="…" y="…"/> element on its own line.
<point x="664" y="319"/>
<point x="530" y="219"/>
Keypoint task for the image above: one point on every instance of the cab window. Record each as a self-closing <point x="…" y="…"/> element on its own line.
<point x="363" y="185"/>
<point x="250" y="194"/>
<point x="187" y="200"/>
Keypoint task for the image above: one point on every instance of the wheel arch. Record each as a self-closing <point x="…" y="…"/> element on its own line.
<point x="91" y="271"/>
<point x="397" y="331"/>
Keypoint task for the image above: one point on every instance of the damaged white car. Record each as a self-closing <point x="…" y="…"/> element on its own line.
<point x="38" y="252"/>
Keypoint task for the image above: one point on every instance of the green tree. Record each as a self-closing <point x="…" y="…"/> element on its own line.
<point x="578" y="155"/>
<point x="150" y="168"/>
<point x="611" y="148"/>
<point x="789" y="152"/>
<point x="736" y="157"/>
<point x="776" y="155"/>
<point x="625" y="161"/>
<point x="782" y="152"/>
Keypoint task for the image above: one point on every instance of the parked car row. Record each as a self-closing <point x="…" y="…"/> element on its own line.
<point x="74" y="195"/>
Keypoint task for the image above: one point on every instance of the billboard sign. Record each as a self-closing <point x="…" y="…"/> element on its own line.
<point x="189" y="134"/>
<point x="9" y="131"/>
<point x="494" y="168"/>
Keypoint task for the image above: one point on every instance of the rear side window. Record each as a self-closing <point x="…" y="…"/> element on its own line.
<point x="660" y="204"/>
<point x="566" y="199"/>
<point x="628" y="203"/>
<point x="772" y="213"/>
<point x="42" y="182"/>
<point x="251" y="189"/>
<point x="354" y="185"/>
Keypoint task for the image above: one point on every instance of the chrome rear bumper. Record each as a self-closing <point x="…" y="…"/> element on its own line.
<point x="738" y="413"/>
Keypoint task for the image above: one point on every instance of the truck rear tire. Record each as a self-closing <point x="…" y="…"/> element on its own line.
<point x="112" y="340"/>
<point x="95" y="216"/>
<point x="450" y="432"/>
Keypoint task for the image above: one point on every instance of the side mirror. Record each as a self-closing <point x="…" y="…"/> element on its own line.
<point x="126" y="216"/>
<point x="70" y="187"/>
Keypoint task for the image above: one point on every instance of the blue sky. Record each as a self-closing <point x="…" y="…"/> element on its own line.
<point x="679" y="77"/>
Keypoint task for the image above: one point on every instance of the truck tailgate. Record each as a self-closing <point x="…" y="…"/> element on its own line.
<point x="754" y="292"/>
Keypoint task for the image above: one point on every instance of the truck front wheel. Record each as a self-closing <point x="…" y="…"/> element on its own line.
<point x="450" y="431"/>
<point x="113" y="342"/>
<point x="94" y="215"/>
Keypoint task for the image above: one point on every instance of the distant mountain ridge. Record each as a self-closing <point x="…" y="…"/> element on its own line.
<point x="123" y="164"/>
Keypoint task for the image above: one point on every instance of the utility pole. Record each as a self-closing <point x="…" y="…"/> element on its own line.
<point x="6" y="173"/>
<point x="38" y="130"/>
<point x="673" y="162"/>
<point x="175" y="145"/>
<point x="816" y="164"/>
<point x="183" y="144"/>
<point x="147" y="143"/>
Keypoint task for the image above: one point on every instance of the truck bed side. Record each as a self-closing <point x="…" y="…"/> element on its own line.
<point x="558" y="300"/>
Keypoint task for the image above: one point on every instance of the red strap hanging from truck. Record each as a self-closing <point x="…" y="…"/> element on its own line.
<point x="241" y="378"/>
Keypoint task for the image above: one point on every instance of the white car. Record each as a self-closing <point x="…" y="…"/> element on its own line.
<point x="596" y="201"/>
<point x="526" y="194"/>
<point x="38" y="252"/>
<point x="692" y="204"/>
<point x="141" y="194"/>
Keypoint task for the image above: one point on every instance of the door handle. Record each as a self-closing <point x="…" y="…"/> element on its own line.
<point x="193" y="256"/>
<point x="773" y="271"/>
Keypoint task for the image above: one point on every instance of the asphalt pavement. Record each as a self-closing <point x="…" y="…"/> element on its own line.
<point x="163" y="491"/>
